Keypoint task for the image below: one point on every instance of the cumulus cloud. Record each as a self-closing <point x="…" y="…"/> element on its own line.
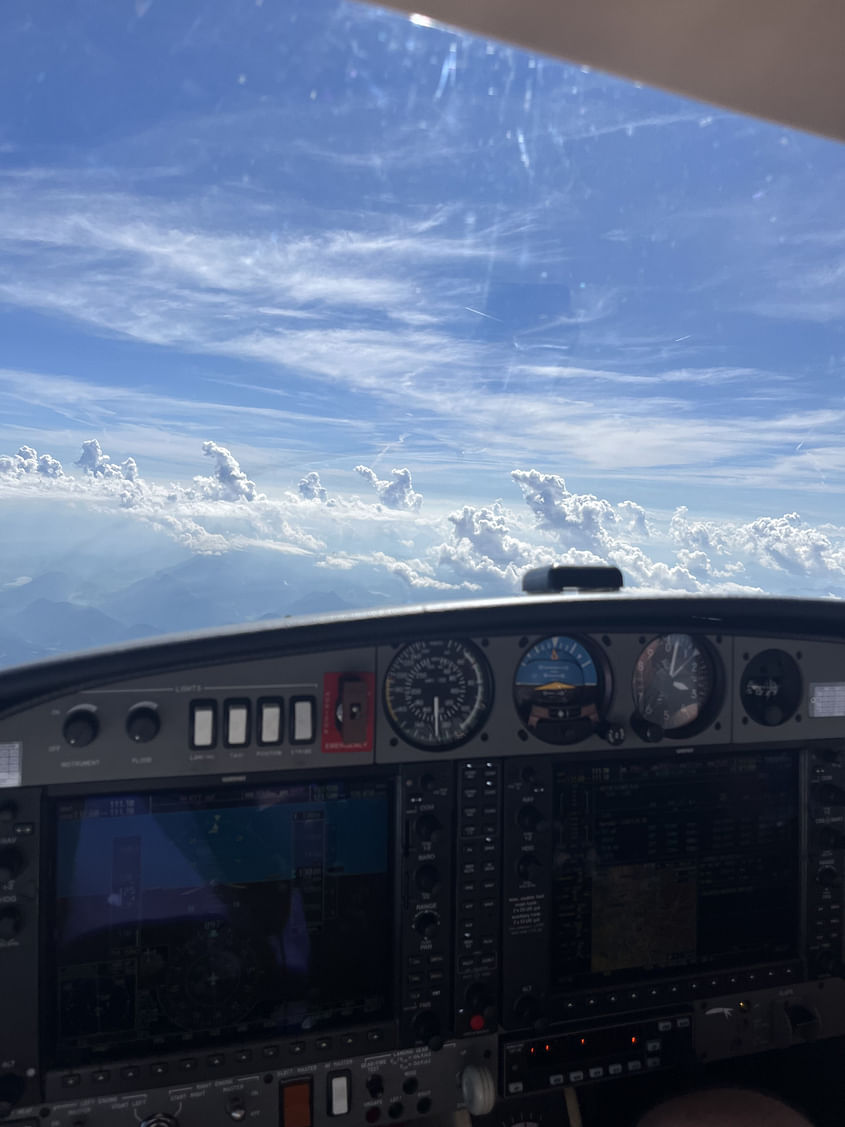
<point x="95" y="462"/>
<point x="579" y="520"/>
<point x="396" y="494"/>
<point x="228" y="482"/>
<point x="311" y="488"/>
<point x="28" y="461"/>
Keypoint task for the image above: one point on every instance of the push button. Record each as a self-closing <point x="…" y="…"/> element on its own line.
<point x="302" y="720"/>
<point x="339" y="1093"/>
<point x="237" y="723"/>
<point x="203" y="724"/>
<point x="270" y="722"/>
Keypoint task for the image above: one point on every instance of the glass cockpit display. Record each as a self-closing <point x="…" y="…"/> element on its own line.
<point x="183" y="916"/>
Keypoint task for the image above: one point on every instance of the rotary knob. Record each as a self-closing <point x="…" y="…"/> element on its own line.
<point x="81" y="726"/>
<point x="647" y="730"/>
<point x="143" y="722"/>
<point x="478" y="1089"/>
<point x="427" y="879"/>
<point x="529" y="818"/>
<point x="428" y="828"/>
<point x="11" y="922"/>
<point x="528" y="1009"/>
<point x="527" y="866"/>
<point x="427" y="924"/>
<point x="12" y="863"/>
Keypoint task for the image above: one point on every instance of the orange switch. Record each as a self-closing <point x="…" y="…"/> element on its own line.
<point x="295" y="1109"/>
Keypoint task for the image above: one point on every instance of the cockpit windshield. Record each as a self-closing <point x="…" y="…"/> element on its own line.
<point x="311" y="306"/>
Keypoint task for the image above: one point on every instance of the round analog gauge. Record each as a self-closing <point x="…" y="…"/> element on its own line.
<point x="559" y="690"/>
<point x="674" y="683"/>
<point x="438" y="693"/>
<point x="771" y="687"/>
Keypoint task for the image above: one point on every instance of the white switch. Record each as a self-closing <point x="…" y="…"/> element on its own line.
<point x="203" y="725"/>
<point x="270" y="723"/>
<point x="237" y="722"/>
<point x="339" y="1094"/>
<point x="303" y="721"/>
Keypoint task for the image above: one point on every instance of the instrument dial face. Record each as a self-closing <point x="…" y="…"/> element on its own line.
<point x="437" y="694"/>
<point x="559" y="690"/>
<point x="674" y="683"/>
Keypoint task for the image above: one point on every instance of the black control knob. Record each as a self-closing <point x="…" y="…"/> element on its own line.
<point x="12" y="863"/>
<point x="143" y="723"/>
<point x="527" y="866"/>
<point x="528" y="1009"/>
<point x="12" y="1087"/>
<point x="529" y="818"/>
<point x="427" y="879"/>
<point x="647" y="730"/>
<point x="427" y="1028"/>
<point x="427" y="924"/>
<point x="11" y="922"/>
<point x="8" y="812"/>
<point x="375" y="1085"/>
<point x="804" y="1022"/>
<point x="81" y="726"/>
<point x="428" y="828"/>
<point x="827" y="876"/>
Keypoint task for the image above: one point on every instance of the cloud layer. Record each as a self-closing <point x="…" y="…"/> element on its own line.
<point x="386" y="532"/>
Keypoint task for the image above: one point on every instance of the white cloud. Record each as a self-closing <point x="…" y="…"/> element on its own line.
<point x="28" y="461"/>
<point x="311" y="488"/>
<point x="395" y="494"/>
<point x="95" y="462"/>
<point x="229" y="482"/>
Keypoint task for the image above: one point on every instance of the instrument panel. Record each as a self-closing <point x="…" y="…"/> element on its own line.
<point x="494" y="694"/>
<point x="326" y="870"/>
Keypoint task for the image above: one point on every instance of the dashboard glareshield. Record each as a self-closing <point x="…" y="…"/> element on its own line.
<point x="185" y="918"/>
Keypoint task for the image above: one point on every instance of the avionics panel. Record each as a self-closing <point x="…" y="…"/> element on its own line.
<point x="675" y="865"/>
<point x="207" y="916"/>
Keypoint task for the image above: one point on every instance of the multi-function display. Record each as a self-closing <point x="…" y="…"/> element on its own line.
<point x="184" y="918"/>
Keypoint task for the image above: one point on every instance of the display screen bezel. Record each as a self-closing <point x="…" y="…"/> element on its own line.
<point x="591" y="982"/>
<point x="57" y="1057"/>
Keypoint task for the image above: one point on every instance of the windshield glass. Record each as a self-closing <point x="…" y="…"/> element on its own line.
<point x="307" y="307"/>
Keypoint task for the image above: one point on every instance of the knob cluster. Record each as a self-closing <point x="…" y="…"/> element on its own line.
<point x="81" y="725"/>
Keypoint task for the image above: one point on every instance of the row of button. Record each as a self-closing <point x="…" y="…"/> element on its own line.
<point x="237" y="722"/>
<point x="681" y="991"/>
<point x="219" y="1060"/>
<point x="598" y="1073"/>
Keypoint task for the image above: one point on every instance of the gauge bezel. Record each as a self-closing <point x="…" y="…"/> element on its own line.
<point x="712" y="706"/>
<point x="798" y="684"/>
<point x="604" y="677"/>
<point x="486" y="702"/>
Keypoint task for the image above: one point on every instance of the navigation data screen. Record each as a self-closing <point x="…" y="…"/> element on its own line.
<point x="670" y="866"/>
<point x="183" y="917"/>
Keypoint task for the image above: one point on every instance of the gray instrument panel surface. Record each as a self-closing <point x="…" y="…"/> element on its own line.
<point x="34" y="735"/>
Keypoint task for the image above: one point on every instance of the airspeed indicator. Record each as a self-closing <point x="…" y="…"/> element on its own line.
<point x="437" y="694"/>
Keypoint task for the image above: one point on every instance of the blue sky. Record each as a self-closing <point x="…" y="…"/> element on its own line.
<point x="320" y="236"/>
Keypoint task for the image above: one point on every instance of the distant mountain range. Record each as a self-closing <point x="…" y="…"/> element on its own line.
<point x="53" y="614"/>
